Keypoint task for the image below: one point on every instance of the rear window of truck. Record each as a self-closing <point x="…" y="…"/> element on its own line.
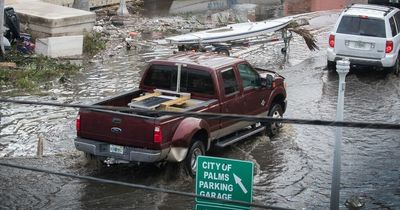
<point x="192" y="80"/>
<point x="363" y="26"/>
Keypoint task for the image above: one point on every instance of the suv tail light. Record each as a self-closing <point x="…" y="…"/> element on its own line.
<point x="332" y="40"/>
<point x="78" y="123"/>
<point x="157" y="137"/>
<point x="389" y="47"/>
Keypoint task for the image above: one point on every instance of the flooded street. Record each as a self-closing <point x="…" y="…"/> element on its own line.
<point x="293" y="170"/>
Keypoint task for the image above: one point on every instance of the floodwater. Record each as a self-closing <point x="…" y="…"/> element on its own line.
<point x="293" y="170"/>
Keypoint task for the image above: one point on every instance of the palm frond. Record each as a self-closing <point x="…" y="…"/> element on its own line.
<point x="306" y="34"/>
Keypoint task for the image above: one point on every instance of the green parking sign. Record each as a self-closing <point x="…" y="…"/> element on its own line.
<point x="225" y="179"/>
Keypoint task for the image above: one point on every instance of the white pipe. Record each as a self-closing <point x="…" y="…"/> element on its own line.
<point x="342" y="67"/>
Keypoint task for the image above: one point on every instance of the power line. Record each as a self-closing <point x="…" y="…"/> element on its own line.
<point x="215" y="116"/>
<point x="144" y="187"/>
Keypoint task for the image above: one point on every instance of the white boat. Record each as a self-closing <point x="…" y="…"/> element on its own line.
<point x="231" y="32"/>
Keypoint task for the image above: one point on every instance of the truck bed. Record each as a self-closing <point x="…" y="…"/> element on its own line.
<point x="131" y="128"/>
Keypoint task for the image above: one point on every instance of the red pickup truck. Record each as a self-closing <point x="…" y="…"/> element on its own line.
<point x="194" y="82"/>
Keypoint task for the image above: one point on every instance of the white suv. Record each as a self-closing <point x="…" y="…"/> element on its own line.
<point x="368" y="35"/>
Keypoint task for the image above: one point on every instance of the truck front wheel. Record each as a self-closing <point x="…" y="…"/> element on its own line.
<point x="272" y="128"/>
<point x="195" y="150"/>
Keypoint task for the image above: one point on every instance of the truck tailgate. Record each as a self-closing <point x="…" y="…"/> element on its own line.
<point x="117" y="128"/>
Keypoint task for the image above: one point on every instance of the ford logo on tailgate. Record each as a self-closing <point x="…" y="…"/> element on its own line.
<point x="116" y="130"/>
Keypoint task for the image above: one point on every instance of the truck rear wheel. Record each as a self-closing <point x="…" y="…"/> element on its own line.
<point x="273" y="128"/>
<point x="195" y="150"/>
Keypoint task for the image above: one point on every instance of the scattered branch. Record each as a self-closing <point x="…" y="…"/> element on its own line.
<point x="305" y="33"/>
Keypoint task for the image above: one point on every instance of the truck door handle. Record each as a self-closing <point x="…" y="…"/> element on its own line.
<point x="116" y="120"/>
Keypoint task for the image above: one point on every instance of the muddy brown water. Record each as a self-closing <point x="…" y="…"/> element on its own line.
<point x="293" y="170"/>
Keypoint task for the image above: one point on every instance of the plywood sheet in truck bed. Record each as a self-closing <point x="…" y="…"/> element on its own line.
<point x="149" y="103"/>
<point x="157" y="100"/>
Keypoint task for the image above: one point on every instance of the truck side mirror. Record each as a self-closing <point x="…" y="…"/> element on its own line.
<point x="267" y="82"/>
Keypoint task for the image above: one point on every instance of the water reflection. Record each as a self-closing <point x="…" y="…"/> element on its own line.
<point x="95" y="195"/>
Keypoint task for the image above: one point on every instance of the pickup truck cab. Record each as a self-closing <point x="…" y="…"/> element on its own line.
<point x="188" y="82"/>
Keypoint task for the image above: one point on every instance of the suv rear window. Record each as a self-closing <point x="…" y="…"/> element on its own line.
<point x="362" y="26"/>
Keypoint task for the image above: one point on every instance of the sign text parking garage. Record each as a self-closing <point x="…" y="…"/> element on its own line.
<point x="224" y="178"/>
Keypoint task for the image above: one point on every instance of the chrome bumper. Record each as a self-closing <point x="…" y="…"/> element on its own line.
<point x="129" y="154"/>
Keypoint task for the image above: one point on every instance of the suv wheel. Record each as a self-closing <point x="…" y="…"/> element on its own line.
<point x="331" y="65"/>
<point x="396" y="67"/>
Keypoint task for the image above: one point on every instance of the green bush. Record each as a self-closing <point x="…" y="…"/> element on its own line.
<point x="93" y="43"/>
<point x="33" y="71"/>
<point x="25" y="83"/>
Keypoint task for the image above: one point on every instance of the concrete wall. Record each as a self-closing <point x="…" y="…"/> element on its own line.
<point x="68" y="3"/>
<point x="9" y="2"/>
<point x="59" y="46"/>
<point x="92" y="3"/>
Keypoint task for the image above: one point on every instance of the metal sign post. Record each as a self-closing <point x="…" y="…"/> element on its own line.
<point x="342" y="68"/>
<point x="178" y="77"/>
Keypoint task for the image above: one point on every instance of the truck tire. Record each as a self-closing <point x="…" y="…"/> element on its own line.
<point x="195" y="150"/>
<point x="272" y="129"/>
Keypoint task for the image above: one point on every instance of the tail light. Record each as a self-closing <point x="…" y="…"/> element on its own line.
<point x="78" y="123"/>
<point x="389" y="47"/>
<point x="332" y="41"/>
<point x="157" y="137"/>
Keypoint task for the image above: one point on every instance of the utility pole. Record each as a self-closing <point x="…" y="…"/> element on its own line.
<point x="342" y="68"/>
<point x="122" y="10"/>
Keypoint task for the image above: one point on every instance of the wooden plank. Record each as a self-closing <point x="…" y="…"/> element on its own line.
<point x="8" y="64"/>
<point x="172" y="109"/>
<point x="148" y="95"/>
<point x="179" y="101"/>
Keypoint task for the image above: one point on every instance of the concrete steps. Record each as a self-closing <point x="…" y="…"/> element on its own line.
<point x="58" y="30"/>
<point x="92" y="3"/>
<point x="42" y="19"/>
